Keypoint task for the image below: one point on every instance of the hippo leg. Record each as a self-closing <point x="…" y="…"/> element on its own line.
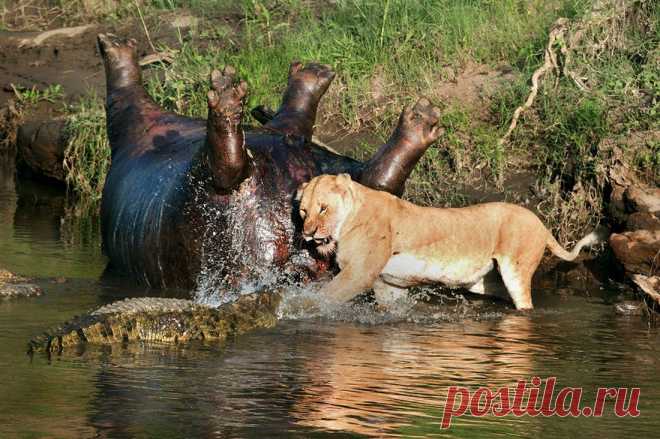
<point x="130" y="110"/>
<point x="225" y="139"/>
<point x="306" y="86"/>
<point x="389" y="168"/>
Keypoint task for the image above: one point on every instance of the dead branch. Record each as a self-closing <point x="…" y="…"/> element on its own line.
<point x="566" y="37"/>
<point x="550" y="62"/>
<point x="166" y="57"/>
<point x="39" y="39"/>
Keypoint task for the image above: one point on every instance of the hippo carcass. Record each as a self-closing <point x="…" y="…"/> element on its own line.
<point x="185" y="197"/>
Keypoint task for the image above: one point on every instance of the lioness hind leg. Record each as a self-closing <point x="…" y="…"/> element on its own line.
<point x="518" y="283"/>
<point x="387" y="295"/>
<point x="490" y="285"/>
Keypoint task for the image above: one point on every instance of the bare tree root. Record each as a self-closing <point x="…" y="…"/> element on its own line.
<point x="550" y="62"/>
<point x="564" y="39"/>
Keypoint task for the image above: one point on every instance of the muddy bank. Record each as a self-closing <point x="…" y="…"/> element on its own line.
<point x="42" y="73"/>
<point x="68" y="56"/>
<point x="70" y="60"/>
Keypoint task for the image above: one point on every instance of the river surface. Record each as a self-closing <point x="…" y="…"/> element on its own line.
<point x="303" y="378"/>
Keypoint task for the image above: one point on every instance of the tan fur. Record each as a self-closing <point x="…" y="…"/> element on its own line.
<point x="389" y="244"/>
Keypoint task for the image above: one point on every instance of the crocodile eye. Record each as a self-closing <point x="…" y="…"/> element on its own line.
<point x="303" y="213"/>
<point x="323" y="209"/>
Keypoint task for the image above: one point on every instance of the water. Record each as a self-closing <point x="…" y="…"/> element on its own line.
<point x="304" y="378"/>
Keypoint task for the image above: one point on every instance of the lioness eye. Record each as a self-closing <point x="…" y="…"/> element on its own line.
<point x="323" y="209"/>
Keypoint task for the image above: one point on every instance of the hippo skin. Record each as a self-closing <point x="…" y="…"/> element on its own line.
<point x="186" y="196"/>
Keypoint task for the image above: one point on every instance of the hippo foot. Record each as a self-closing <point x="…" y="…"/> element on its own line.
<point x="225" y="99"/>
<point x="417" y="129"/>
<point x="297" y="114"/>
<point x="116" y="49"/>
<point x="313" y="79"/>
<point x="225" y="137"/>
<point x="121" y="62"/>
<point x="418" y="124"/>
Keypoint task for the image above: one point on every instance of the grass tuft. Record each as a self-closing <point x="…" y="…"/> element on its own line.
<point x="87" y="154"/>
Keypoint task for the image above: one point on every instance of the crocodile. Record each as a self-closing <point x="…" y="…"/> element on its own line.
<point x="162" y="320"/>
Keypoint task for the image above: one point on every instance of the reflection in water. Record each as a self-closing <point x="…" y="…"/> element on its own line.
<point x="307" y="377"/>
<point x="39" y="236"/>
<point x="7" y="197"/>
<point x="410" y="368"/>
<point x="383" y="380"/>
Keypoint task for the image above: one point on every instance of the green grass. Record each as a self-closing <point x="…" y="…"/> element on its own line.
<point x="574" y="138"/>
<point x="33" y="96"/>
<point x="87" y="154"/>
<point x="405" y="42"/>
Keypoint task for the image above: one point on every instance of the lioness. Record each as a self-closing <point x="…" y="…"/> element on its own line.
<point x="388" y="244"/>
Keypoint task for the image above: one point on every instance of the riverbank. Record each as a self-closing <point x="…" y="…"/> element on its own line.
<point x="593" y="122"/>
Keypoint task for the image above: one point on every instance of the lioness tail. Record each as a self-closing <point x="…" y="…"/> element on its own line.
<point x="596" y="237"/>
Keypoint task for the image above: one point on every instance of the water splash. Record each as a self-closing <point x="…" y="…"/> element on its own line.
<point x="239" y="247"/>
<point x="421" y="305"/>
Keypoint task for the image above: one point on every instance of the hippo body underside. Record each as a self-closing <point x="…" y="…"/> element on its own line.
<point x="155" y="215"/>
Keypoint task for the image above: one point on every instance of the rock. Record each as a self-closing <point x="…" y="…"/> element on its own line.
<point x="638" y="199"/>
<point x="12" y="286"/>
<point x="41" y="147"/>
<point x="638" y="251"/>
<point x="10" y="291"/>
<point x="638" y="248"/>
<point x="643" y="221"/>
<point x="650" y="285"/>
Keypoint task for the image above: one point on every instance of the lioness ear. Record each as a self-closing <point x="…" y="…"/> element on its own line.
<point x="344" y="181"/>
<point x="299" y="192"/>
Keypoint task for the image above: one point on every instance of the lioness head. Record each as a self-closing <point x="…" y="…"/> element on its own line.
<point x="325" y="203"/>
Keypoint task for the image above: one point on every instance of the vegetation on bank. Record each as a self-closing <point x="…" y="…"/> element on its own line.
<point x="602" y="111"/>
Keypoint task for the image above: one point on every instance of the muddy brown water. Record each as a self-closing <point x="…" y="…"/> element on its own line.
<point x="303" y="378"/>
